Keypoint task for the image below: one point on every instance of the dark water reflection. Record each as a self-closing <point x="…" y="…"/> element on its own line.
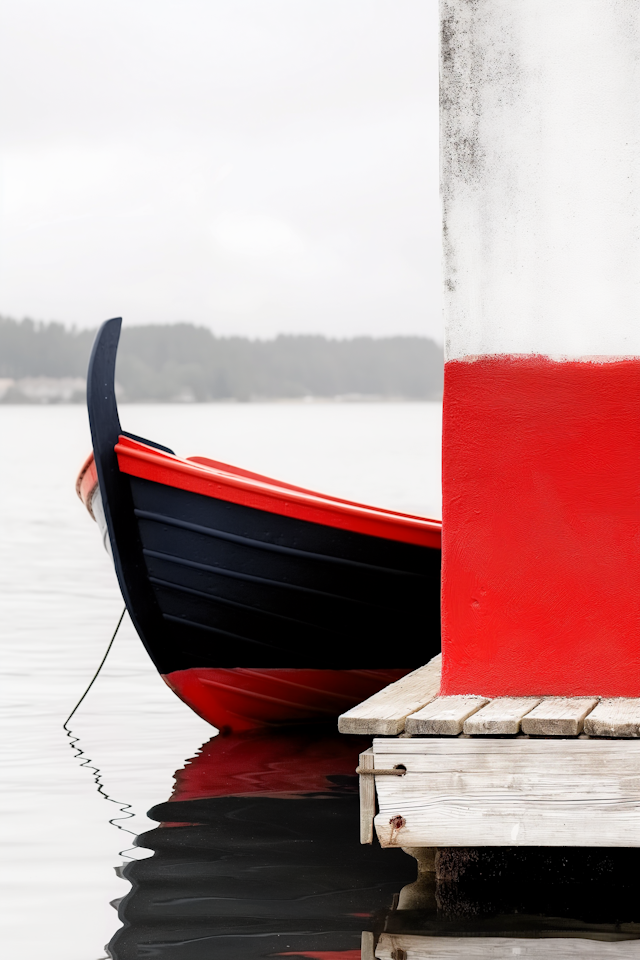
<point x="257" y="855"/>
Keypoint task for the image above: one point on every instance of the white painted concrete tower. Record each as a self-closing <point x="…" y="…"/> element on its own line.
<point x="540" y="127"/>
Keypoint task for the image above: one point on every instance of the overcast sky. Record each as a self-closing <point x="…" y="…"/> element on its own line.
<point x="258" y="166"/>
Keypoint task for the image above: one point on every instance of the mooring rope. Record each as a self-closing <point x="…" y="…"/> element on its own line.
<point x="97" y="673"/>
<point x="125" y="808"/>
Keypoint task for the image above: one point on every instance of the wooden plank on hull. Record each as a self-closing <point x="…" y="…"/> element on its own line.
<point x="496" y="792"/>
<point x="444" y="717"/>
<point x="619" y="717"/>
<point x="384" y="713"/>
<point x="393" y="946"/>
<point x="558" y="716"/>
<point x="500" y="717"/>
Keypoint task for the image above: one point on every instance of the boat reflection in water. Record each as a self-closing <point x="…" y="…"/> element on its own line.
<point x="257" y="855"/>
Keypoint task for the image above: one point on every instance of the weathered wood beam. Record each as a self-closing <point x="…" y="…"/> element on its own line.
<point x="508" y="792"/>
<point x="412" y="947"/>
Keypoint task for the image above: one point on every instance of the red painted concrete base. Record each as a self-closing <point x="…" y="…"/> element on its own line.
<point x="241" y="698"/>
<point x="541" y="527"/>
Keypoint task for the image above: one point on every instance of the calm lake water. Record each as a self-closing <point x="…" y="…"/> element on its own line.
<point x="60" y="603"/>
<point x="250" y="849"/>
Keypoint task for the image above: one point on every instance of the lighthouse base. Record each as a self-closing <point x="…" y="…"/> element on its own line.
<point x="541" y="527"/>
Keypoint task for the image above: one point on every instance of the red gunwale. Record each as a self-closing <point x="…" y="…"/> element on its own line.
<point x="240" y="486"/>
<point x="87" y="482"/>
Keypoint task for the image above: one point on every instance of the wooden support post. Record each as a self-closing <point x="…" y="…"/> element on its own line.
<point x="367" y="797"/>
<point x="367" y="946"/>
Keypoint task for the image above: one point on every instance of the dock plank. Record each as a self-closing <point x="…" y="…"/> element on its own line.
<point x="392" y="946"/>
<point x="501" y="716"/>
<point x="558" y="716"/>
<point x="384" y="713"/>
<point x="619" y="717"/>
<point x="519" y="792"/>
<point x="444" y="717"/>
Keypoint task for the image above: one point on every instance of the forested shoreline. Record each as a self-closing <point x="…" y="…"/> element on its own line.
<point x="47" y="362"/>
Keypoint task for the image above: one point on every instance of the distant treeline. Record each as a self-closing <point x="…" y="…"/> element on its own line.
<point x="184" y="362"/>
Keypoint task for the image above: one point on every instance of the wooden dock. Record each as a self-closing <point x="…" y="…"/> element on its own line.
<point x="470" y="771"/>
<point x="499" y="948"/>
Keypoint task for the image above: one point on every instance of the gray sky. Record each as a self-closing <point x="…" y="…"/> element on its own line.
<point x="259" y="166"/>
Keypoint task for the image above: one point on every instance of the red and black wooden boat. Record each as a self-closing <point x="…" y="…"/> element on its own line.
<point x="259" y="602"/>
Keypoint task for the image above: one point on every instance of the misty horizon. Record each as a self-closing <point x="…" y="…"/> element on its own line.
<point x="47" y="363"/>
<point x="254" y="168"/>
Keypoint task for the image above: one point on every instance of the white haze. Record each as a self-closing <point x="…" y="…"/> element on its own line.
<point x="258" y="166"/>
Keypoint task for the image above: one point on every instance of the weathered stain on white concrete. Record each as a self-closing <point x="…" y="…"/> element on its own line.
<point x="541" y="176"/>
